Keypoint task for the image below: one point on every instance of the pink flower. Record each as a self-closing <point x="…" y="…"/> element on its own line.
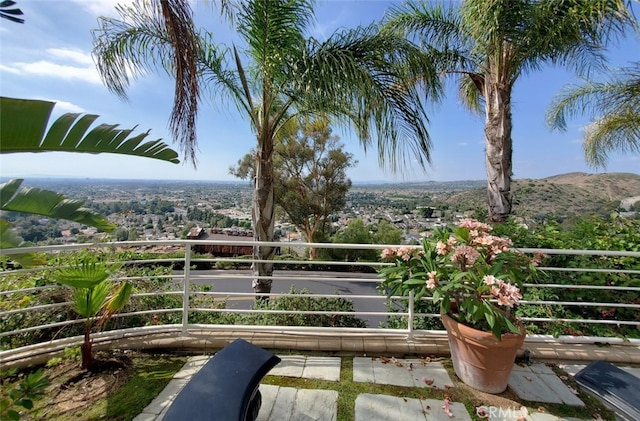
<point x="442" y="248"/>
<point x="387" y="253"/>
<point x="465" y="255"/>
<point x="489" y="280"/>
<point x="431" y="282"/>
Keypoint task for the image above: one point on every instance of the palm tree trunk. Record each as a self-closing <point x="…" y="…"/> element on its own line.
<point x="263" y="214"/>
<point x="85" y="348"/>
<point x="498" y="154"/>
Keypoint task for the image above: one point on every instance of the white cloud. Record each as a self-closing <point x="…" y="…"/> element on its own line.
<point x="65" y="106"/>
<point x="101" y="7"/>
<point x="73" y="55"/>
<point x="463" y="143"/>
<point x="4" y="68"/>
<point x="61" y="71"/>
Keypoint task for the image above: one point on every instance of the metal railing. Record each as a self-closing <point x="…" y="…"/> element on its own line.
<point x="206" y="292"/>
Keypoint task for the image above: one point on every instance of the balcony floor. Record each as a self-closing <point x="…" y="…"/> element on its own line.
<point x="536" y="382"/>
<point x="287" y="403"/>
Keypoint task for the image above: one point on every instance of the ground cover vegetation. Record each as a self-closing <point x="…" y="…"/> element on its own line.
<point x="125" y="383"/>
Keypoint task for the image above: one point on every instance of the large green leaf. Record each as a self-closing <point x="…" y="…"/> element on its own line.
<point x="88" y="302"/>
<point x="24" y="128"/>
<point x="82" y="276"/>
<point x="47" y="203"/>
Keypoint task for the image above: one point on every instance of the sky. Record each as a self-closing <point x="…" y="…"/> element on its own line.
<point x="49" y="57"/>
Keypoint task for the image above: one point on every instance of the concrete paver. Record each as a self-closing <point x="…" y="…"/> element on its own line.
<point x="401" y="372"/>
<point x="493" y="413"/>
<point x="290" y="404"/>
<point x="370" y="407"/>
<point x="539" y="383"/>
<point x="322" y="368"/>
<point x="290" y="366"/>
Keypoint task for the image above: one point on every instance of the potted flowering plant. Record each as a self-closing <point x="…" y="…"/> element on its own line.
<point x="476" y="277"/>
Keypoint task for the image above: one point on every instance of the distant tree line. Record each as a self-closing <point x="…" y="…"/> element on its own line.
<point x="154" y="206"/>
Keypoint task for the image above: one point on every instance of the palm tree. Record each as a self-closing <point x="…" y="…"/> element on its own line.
<point x="93" y="295"/>
<point x="489" y="44"/>
<point x="359" y="77"/>
<point x="617" y="102"/>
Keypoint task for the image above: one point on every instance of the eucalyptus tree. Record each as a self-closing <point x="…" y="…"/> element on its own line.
<point x="489" y="44"/>
<point x="360" y="78"/>
<point x="613" y="105"/>
<point x="310" y="174"/>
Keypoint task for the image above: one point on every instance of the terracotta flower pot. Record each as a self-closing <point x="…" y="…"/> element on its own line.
<point x="479" y="358"/>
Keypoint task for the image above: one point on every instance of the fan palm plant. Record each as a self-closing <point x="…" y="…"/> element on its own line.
<point x="616" y="102"/>
<point x="489" y="44"/>
<point x="360" y="78"/>
<point x="94" y="296"/>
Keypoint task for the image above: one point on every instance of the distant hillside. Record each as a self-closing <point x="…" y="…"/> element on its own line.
<point x="573" y="193"/>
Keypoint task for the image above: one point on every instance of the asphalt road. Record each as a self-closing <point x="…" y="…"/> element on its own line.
<point x="310" y="280"/>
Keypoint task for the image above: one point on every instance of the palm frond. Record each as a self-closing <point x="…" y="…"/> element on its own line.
<point x="613" y="105"/>
<point x="85" y="275"/>
<point x="10" y="14"/>
<point x="88" y="302"/>
<point x="377" y="92"/>
<point x="9" y="240"/>
<point x="184" y="42"/>
<point x="618" y="132"/>
<point x="23" y="128"/>
<point x="273" y="29"/>
<point x="47" y="203"/>
<point x="117" y="299"/>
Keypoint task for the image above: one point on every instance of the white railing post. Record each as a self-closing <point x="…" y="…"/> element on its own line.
<point x="411" y="315"/>
<point x="185" y="287"/>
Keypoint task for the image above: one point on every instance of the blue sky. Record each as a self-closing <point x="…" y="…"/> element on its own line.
<point x="49" y="57"/>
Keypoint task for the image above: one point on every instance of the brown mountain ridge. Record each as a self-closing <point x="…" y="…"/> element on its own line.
<point x="564" y="194"/>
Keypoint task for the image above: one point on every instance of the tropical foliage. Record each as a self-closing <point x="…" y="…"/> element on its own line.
<point x="614" y="107"/>
<point x="24" y="127"/>
<point x="487" y="45"/>
<point x="360" y="77"/>
<point x="94" y="296"/>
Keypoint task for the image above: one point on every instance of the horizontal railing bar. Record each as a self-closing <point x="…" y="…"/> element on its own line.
<point x="27" y="309"/>
<point x="34" y="289"/>
<point x="326" y="313"/>
<point x="579" y="252"/>
<point x="575" y="286"/>
<point x="314" y="296"/>
<point x="590" y="321"/>
<point x="581" y="303"/>
<point x="76" y="321"/>
<point x="587" y="270"/>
